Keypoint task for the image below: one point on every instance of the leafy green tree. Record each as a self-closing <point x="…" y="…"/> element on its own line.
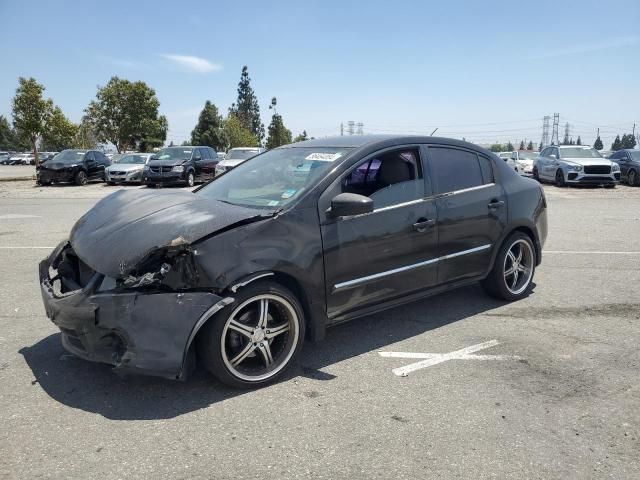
<point x="126" y="114"/>
<point x="530" y="146"/>
<point x="236" y="134"/>
<point x="579" y="141"/>
<point x="496" y="147"/>
<point x="156" y="135"/>
<point x="85" y="136"/>
<point x="598" y="145"/>
<point x="60" y="132"/>
<point x="628" y="141"/>
<point x="209" y="130"/>
<point x="9" y="139"/>
<point x="509" y="147"/>
<point x="278" y="133"/>
<point x="617" y="144"/>
<point x="302" y="137"/>
<point x="31" y="112"/>
<point x="246" y="108"/>
<point x="521" y="147"/>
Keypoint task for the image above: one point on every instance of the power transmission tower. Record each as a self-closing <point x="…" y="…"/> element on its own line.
<point x="360" y="126"/>
<point x="554" y="134"/>
<point x="545" y="131"/>
<point x="350" y="125"/>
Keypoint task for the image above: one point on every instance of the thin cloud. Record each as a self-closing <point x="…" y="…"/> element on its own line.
<point x="124" y="63"/>
<point x="588" y="47"/>
<point x="193" y="64"/>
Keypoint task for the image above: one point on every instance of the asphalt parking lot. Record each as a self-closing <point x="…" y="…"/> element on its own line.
<point x="547" y="387"/>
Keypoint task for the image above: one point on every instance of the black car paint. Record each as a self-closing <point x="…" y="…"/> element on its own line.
<point x="93" y="163"/>
<point x="302" y="247"/>
<point x="203" y="169"/>
<point x="627" y="163"/>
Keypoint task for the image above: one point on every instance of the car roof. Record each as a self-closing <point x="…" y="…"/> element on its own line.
<point x="357" y="141"/>
<point x="572" y="146"/>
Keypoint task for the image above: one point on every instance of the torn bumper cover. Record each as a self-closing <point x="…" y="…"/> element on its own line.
<point x="137" y="331"/>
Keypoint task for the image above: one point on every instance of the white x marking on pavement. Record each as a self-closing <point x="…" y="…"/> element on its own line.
<point x="430" y="359"/>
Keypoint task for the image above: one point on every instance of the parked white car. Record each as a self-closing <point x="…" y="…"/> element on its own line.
<point x="510" y="159"/>
<point x="128" y="169"/>
<point x="575" y="164"/>
<point x="235" y="157"/>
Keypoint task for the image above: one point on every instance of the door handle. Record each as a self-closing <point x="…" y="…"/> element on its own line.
<point x="422" y="224"/>
<point x="495" y="204"/>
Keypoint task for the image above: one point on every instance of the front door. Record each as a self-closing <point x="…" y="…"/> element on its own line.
<point x="390" y="252"/>
<point x="472" y="211"/>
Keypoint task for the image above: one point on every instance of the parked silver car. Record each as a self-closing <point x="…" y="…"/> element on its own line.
<point x="235" y="157"/>
<point x="575" y="164"/>
<point x="128" y="169"/>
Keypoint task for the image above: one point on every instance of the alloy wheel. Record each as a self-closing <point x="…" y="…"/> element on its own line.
<point x="190" y="179"/>
<point x="518" y="266"/>
<point x="260" y="337"/>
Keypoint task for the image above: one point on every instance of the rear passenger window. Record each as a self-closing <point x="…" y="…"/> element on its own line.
<point x="487" y="169"/>
<point x="454" y="169"/>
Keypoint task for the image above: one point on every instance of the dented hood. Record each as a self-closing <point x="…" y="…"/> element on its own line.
<point x="123" y="228"/>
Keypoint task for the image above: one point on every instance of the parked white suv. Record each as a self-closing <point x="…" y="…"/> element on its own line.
<point x="575" y="164"/>
<point x="235" y="157"/>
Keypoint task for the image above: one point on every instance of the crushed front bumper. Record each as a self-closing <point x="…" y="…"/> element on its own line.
<point x="134" y="331"/>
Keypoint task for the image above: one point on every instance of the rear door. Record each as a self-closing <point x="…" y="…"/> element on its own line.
<point x="390" y="252"/>
<point x="472" y="211"/>
<point x="209" y="162"/>
<point x="196" y="158"/>
<point x="91" y="165"/>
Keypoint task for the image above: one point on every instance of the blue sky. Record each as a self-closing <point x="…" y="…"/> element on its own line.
<point x="488" y="71"/>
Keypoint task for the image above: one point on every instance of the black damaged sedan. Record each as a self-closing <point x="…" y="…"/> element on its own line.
<point x="238" y="273"/>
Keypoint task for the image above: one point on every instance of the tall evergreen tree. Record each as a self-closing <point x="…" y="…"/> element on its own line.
<point x="530" y="146"/>
<point x="509" y="147"/>
<point x="628" y="141"/>
<point x="278" y="133"/>
<point x="302" y="137"/>
<point x="209" y="129"/>
<point x="521" y="145"/>
<point x="579" y="141"/>
<point x="617" y="144"/>
<point x="598" y="145"/>
<point x="246" y="108"/>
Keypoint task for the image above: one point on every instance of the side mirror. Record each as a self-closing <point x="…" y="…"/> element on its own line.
<point x="347" y="204"/>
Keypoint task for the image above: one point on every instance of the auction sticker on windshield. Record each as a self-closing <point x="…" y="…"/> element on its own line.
<point x="323" y="157"/>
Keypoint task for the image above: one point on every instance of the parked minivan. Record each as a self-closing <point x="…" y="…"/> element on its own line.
<point x="180" y="165"/>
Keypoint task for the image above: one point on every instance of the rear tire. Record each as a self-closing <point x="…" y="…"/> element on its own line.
<point x="251" y="342"/>
<point x="513" y="270"/>
<point x="632" y="178"/>
<point x="81" y="178"/>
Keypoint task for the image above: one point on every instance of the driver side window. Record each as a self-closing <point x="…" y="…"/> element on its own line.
<point x="388" y="179"/>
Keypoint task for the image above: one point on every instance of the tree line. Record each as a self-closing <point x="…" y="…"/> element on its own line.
<point x="125" y="114"/>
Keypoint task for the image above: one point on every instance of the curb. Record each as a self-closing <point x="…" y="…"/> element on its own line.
<point x="17" y="179"/>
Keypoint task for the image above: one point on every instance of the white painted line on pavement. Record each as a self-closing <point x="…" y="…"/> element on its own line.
<point x="431" y="359"/>
<point x="18" y="247"/>
<point x="13" y="216"/>
<point x="585" y="252"/>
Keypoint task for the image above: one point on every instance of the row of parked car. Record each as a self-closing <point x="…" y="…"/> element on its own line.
<point x="185" y="165"/>
<point x="27" y="158"/>
<point x="577" y="165"/>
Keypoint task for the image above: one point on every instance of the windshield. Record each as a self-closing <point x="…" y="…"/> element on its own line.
<point x="275" y="178"/>
<point x="579" y="152"/>
<point x="635" y="155"/>
<point x="173" y="153"/>
<point x="134" y="159"/>
<point x="241" y="154"/>
<point x="70" y="156"/>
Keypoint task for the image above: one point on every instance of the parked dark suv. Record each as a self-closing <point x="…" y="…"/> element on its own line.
<point x="73" y="166"/>
<point x="287" y="243"/>
<point x="629" y="161"/>
<point x="180" y="165"/>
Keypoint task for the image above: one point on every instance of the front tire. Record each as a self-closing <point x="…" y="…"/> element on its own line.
<point x="632" y="178"/>
<point x="560" y="179"/>
<point x="536" y="177"/>
<point x="252" y="341"/>
<point x="81" y="178"/>
<point x="191" y="179"/>
<point x="512" y="273"/>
